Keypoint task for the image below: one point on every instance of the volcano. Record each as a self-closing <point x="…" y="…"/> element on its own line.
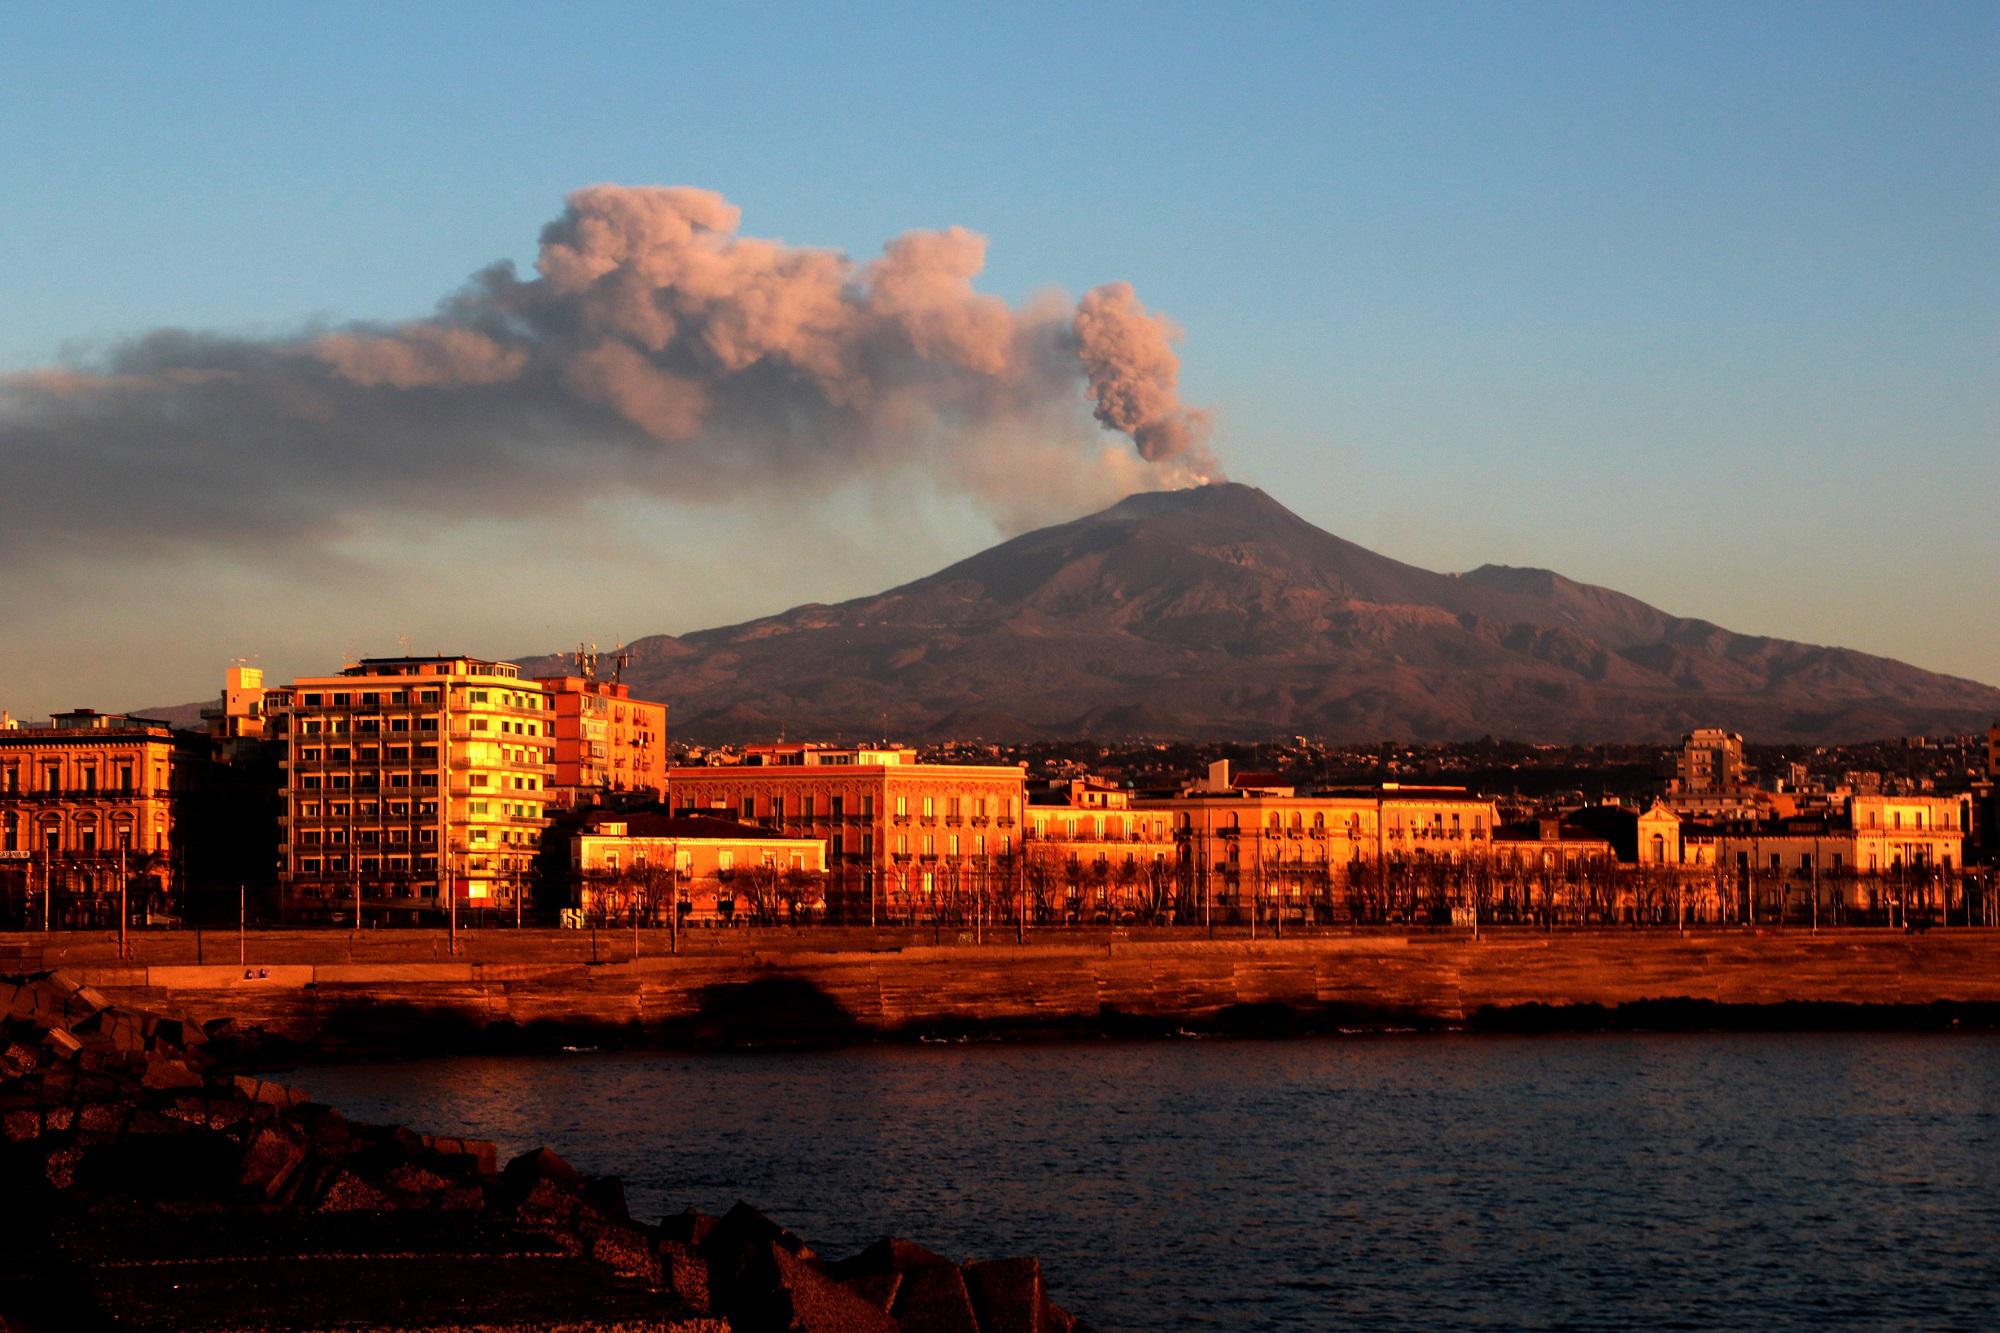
<point x="1217" y="613"/>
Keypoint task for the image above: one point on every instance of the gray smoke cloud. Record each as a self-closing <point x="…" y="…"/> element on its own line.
<point x="654" y="348"/>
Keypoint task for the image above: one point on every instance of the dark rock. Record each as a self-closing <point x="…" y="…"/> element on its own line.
<point x="745" y="1220"/>
<point x="927" y="1290"/>
<point x="271" y="1159"/>
<point x="684" y="1272"/>
<point x="269" y="1094"/>
<point x="166" y="1073"/>
<point x="935" y="1299"/>
<point x="690" y="1228"/>
<point x="1007" y="1294"/>
<point x="759" y="1283"/>
<point x="347" y="1191"/>
<point x="878" y="1289"/>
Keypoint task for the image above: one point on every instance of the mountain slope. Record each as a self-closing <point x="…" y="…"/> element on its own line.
<point x="1217" y="612"/>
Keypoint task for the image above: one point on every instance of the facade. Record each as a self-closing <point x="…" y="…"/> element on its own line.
<point x="606" y="742"/>
<point x="905" y="840"/>
<point x="239" y="713"/>
<point x="85" y="798"/>
<point x="1251" y="846"/>
<point x="1876" y="858"/>
<point x="412" y="784"/>
<point x="634" y="866"/>
<point x="1088" y="855"/>
<point x="1711" y="761"/>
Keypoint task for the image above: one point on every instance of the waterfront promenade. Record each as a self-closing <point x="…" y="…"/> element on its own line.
<point x="390" y="990"/>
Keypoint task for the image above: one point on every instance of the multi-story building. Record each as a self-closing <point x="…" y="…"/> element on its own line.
<point x="1252" y="845"/>
<point x="1711" y="760"/>
<point x="239" y="712"/>
<point x="606" y="742"/>
<point x="1877" y="854"/>
<point x="634" y="866"/>
<point x="83" y="798"/>
<point x="905" y="840"/>
<point x="1090" y="856"/>
<point x="413" y="784"/>
<point x="1249" y="844"/>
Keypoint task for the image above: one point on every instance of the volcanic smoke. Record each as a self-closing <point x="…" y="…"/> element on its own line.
<point x="656" y="347"/>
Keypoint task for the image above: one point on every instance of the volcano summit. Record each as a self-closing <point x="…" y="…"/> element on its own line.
<point x="1218" y="613"/>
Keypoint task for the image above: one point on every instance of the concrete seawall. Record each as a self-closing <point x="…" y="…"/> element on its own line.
<point x="800" y="993"/>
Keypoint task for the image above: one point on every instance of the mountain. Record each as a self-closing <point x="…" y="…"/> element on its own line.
<point x="1218" y="613"/>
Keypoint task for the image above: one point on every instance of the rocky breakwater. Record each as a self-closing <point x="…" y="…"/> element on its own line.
<point x="149" y="1179"/>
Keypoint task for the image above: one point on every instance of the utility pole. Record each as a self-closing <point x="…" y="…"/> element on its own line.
<point x="242" y="915"/>
<point x="123" y="914"/>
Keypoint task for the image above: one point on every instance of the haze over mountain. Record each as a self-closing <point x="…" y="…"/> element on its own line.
<point x="1216" y="612"/>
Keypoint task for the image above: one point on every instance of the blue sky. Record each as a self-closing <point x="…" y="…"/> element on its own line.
<point x="1694" y="301"/>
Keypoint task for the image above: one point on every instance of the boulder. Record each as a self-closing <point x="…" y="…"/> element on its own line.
<point x="271" y="1159"/>
<point x="347" y="1191"/>
<point x="922" y="1289"/>
<point x="1007" y="1295"/>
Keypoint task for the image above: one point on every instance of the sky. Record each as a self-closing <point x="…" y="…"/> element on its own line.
<point x="1692" y="301"/>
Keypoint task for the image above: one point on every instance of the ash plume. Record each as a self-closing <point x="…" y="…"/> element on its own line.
<point x="654" y="348"/>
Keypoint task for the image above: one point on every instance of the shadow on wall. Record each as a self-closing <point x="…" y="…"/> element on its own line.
<point x="770" y="1011"/>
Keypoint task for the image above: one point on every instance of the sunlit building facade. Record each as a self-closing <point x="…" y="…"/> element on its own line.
<point x="413" y="784"/>
<point x="607" y="743"/>
<point x="905" y="840"/>
<point x="84" y="798"/>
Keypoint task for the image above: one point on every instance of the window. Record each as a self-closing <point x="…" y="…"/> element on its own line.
<point x="52" y="778"/>
<point x="930" y="807"/>
<point x="902" y="807"/>
<point x="749" y="808"/>
<point x="725" y="860"/>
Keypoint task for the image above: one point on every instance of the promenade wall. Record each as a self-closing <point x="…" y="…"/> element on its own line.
<point x="788" y="987"/>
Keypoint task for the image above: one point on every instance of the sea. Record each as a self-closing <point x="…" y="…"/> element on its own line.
<point x="1361" y="1182"/>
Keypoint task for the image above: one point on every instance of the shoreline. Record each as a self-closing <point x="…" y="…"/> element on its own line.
<point x="158" y="1183"/>
<point x="801" y="991"/>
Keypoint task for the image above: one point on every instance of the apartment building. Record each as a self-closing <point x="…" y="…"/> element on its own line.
<point x="412" y="784"/>
<point x="1089" y="855"/>
<point x="82" y="796"/>
<point x="636" y="865"/>
<point x="607" y="743"/>
<point x="905" y="840"/>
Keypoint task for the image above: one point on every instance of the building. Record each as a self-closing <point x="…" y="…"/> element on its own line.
<point x="1877" y="858"/>
<point x="1250" y="845"/>
<point x="412" y="784"/>
<point x="632" y="865"/>
<point x="905" y="840"/>
<point x="1089" y="856"/>
<point x="85" y="798"/>
<point x="239" y="713"/>
<point x="1711" y="761"/>
<point x="1711" y="781"/>
<point x="607" y="743"/>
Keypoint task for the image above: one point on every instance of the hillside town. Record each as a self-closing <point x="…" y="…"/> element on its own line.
<point x="419" y="791"/>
